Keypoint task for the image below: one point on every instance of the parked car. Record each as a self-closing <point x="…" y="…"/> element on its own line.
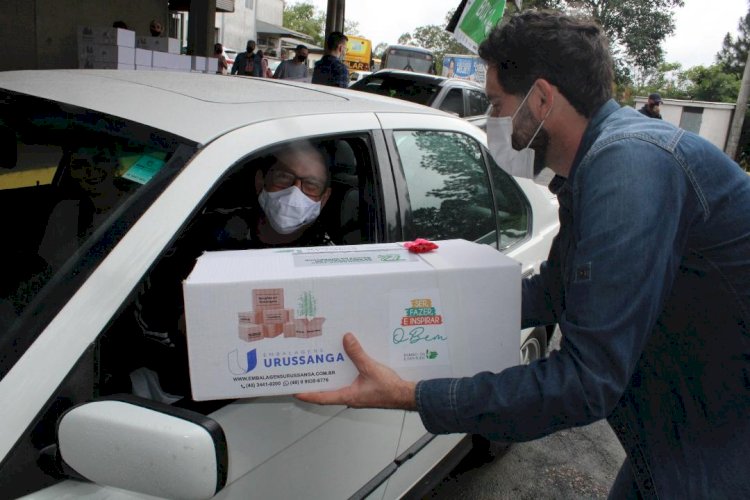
<point x="355" y="76"/>
<point x="464" y="98"/>
<point x="231" y="55"/>
<point x="81" y="417"/>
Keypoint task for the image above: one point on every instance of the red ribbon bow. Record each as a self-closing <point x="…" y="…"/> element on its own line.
<point x="420" y="245"/>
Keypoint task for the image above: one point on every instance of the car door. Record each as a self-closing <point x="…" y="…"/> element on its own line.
<point x="277" y="447"/>
<point x="449" y="188"/>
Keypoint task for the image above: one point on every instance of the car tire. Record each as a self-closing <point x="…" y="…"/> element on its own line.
<point x="535" y="346"/>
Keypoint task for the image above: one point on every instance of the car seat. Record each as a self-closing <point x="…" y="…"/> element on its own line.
<point x="344" y="221"/>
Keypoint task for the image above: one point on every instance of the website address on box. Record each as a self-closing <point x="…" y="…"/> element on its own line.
<point x="284" y="376"/>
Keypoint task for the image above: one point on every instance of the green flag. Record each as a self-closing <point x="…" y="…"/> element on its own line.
<point x="476" y="21"/>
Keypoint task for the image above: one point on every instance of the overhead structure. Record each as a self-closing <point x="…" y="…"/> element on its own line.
<point x="201" y="22"/>
<point x="335" y="16"/>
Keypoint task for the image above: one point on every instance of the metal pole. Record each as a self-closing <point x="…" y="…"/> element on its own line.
<point x="738" y="118"/>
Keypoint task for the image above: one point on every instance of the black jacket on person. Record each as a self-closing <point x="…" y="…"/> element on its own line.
<point x="645" y="110"/>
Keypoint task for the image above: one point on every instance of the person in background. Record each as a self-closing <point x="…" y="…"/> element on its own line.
<point x="155" y="28"/>
<point x="296" y="68"/>
<point x="652" y="107"/>
<point x="648" y="279"/>
<point x="330" y="70"/>
<point x="222" y="66"/>
<point x="120" y="25"/>
<point x="265" y="72"/>
<point x="247" y="63"/>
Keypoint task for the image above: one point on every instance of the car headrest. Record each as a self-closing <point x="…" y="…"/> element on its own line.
<point x="344" y="161"/>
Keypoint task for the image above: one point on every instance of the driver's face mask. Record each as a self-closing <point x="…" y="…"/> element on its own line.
<point x="499" y="138"/>
<point x="288" y="210"/>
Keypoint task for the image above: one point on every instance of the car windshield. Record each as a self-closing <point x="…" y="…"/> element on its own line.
<point x="68" y="180"/>
<point x="410" y="61"/>
<point x="400" y="88"/>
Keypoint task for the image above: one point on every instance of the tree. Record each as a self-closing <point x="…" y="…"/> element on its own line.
<point x="712" y="83"/>
<point x="733" y="52"/>
<point x="305" y="18"/>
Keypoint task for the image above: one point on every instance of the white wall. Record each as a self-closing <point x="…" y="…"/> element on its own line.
<point x="715" y="122"/>
<point x="271" y="11"/>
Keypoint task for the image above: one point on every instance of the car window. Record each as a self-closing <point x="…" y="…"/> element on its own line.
<point x="513" y="209"/>
<point x="67" y="183"/>
<point x="478" y="103"/>
<point x="72" y="183"/>
<point x="454" y="102"/>
<point x="233" y="219"/>
<point x="400" y="88"/>
<point x="449" y="189"/>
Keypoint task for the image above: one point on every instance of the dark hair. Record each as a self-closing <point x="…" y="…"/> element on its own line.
<point x="572" y="54"/>
<point x="120" y="24"/>
<point x="218" y="48"/>
<point x="334" y="39"/>
<point x="300" y="47"/>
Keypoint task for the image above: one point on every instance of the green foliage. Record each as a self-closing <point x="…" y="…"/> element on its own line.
<point x="303" y="17"/>
<point x="733" y="52"/>
<point x="712" y="83"/>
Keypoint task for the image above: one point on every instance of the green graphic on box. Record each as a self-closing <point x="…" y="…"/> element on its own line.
<point x="418" y="336"/>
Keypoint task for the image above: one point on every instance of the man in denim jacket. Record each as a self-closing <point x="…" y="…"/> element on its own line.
<point x="648" y="278"/>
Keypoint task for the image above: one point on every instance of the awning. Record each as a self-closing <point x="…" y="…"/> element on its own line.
<point x="291" y="43"/>
<point x="184" y="5"/>
<point x="265" y="28"/>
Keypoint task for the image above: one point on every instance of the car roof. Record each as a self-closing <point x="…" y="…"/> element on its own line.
<point x="196" y="106"/>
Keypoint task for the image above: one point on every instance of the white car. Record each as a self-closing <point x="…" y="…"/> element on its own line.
<point x="134" y="159"/>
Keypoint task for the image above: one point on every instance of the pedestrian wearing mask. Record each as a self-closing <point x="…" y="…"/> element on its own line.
<point x="652" y="108"/>
<point x="222" y="65"/>
<point x="330" y="70"/>
<point x="295" y="68"/>
<point x="648" y="279"/>
<point x="248" y="63"/>
<point x="292" y="187"/>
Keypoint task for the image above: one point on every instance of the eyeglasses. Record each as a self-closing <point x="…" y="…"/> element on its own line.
<point x="283" y="179"/>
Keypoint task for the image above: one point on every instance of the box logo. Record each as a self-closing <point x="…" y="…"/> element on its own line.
<point x="418" y="336"/>
<point x="233" y="362"/>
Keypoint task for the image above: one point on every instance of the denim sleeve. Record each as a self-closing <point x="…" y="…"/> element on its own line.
<point x="629" y="230"/>
<point x="542" y="293"/>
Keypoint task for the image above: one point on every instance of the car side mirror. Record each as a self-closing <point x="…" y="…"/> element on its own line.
<point x="144" y="446"/>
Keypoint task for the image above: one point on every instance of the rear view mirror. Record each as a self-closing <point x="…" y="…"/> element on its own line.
<point x="144" y="446"/>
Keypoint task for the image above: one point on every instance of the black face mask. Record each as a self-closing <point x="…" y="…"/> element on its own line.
<point x="300" y="58"/>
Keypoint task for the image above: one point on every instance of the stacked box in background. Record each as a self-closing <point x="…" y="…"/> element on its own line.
<point x="101" y="47"/>
<point x="106" y="48"/>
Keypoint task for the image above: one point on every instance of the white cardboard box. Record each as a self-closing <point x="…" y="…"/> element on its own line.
<point x="114" y="53"/>
<point x="106" y="36"/>
<point x="198" y="63"/>
<point x="111" y="65"/>
<point x="143" y="57"/>
<point x="158" y="43"/>
<point x="212" y="65"/>
<point x="269" y="322"/>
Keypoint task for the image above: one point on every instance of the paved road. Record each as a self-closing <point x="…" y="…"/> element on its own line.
<point x="573" y="464"/>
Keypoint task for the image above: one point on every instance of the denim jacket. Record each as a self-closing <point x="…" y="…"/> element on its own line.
<point x="649" y="281"/>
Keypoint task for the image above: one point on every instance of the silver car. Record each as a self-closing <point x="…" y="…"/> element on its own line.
<point x="101" y="174"/>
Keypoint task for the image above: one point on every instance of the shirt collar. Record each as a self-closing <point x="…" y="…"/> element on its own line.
<point x="593" y="129"/>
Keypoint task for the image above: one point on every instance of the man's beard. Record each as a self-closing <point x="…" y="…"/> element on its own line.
<point x="523" y="129"/>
